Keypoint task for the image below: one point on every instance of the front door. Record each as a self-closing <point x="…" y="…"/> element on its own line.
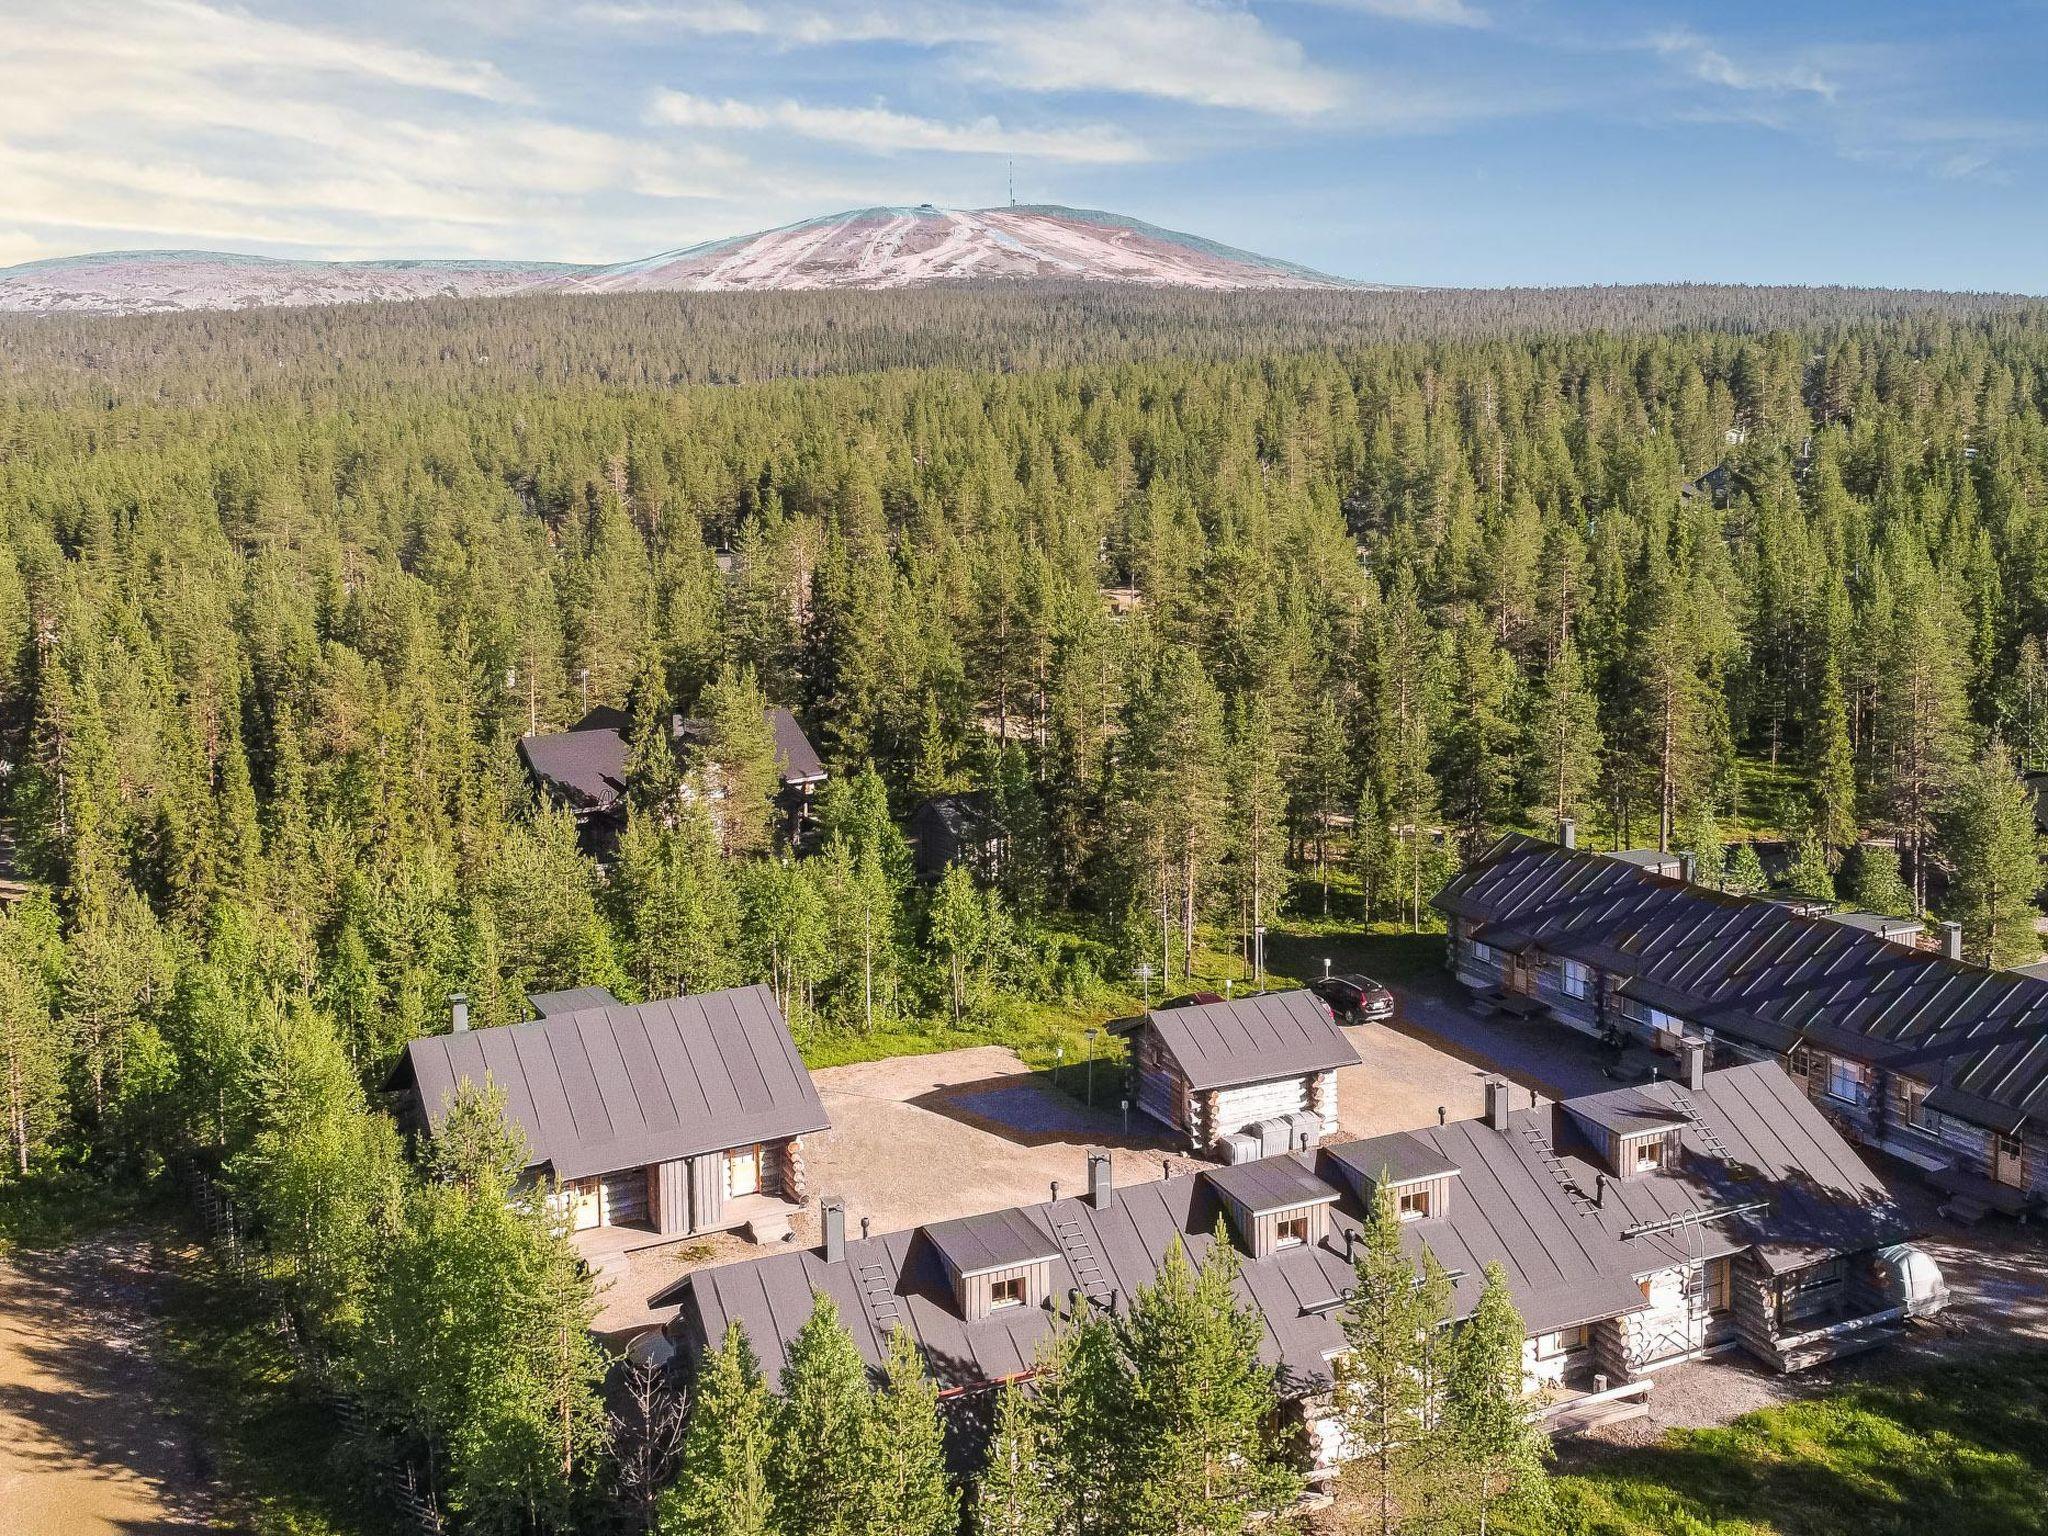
<point x="2005" y="1161"/>
<point x="743" y="1171"/>
<point x="585" y="1208"/>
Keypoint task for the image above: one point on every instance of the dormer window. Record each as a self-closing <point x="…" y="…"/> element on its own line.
<point x="1649" y="1155"/>
<point x="1413" y="1171"/>
<point x="1274" y="1204"/>
<point x="1414" y="1203"/>
<point x="995" y="1262"/>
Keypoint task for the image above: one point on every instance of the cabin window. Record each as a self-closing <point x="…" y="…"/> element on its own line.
<point x="1291" y="1231"/>
<point x="1800" y="1063"/>
<point x="1578" y="979"/>
<point x="1483" y="953"/>
<point x="1710" y="1284"/>
<point x="1414" y="1204"/>
<point x="1846" y="1080"/>
<point x="1669" y="1027"/>
<point x="1909" y="1104"/>
<point x="1566" y="1341"/>
<point x="1648" y="1155"/>
<point x="1007" y="1292"/>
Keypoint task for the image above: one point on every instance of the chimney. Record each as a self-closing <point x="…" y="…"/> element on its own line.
<point x="1687" y="863"/>
<point x="1497" y="1095"/>
<point x="832" y="1217"/>
<point x="1599" y="1191"/>
<point x="1099" y="1184"/>
<point x="1952" y="940"/>
<point x="458" y="1011"/>
<point x="1694" y="1053"/>
<point x="1567" y="833"/>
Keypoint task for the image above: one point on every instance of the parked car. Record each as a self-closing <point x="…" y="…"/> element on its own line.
<point x="1193" y="1000"/>
<point x="1355" y="999"/>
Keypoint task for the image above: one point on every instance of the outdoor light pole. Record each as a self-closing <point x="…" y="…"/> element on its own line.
<point x="1059" y="1060"/>
<point x="1259" y="949"/>
<point x="1326" y="967"/>
<point x="1092" y="1033"/>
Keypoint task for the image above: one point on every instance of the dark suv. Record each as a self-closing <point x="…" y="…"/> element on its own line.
<point x="1355" y="999"/>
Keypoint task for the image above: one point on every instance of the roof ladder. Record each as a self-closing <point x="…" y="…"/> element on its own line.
<point x="1081" y="1258"/>
<point x="1547" y="1155"/>
<point x="873" y="1281"/>
<point x="1686" y="1107"/>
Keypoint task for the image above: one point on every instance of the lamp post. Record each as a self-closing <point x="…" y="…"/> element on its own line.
<point x="1059" y="1061"/>
<point x="1092" y="1033"/>
<point x="1326" y="967"/>
<point x="1145" y="979"/>
<point x="1259" y="949"/>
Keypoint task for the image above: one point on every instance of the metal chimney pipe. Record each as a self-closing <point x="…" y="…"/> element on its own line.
<point x="1952" y="940"/>
<point x="1686" y="865"/>
<point x="1497" y="1092"/>
<point x="832" y="1218"/>
<point x="458" y="1011"/>
<point x="1567" y="833"/>
<point x="1695" y="1063"/>
<point x="1099" y="1181"/>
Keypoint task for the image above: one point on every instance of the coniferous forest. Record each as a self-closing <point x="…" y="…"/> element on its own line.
<point x="1235" y="609"/>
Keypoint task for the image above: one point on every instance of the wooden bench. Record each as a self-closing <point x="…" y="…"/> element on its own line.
<point x="1514" y="1004"/>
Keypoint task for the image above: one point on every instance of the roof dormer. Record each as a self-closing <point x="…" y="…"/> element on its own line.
<point x="1274" y="1205"/>
<point x="995" y="1262"/>
<point x="1630" y="1133"/>
<point x="1419" y="1177"/>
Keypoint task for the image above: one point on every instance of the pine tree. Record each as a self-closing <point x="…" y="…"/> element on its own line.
<point x="1565" y="741"/>
<point x="1745" y="874"/>
<point x="722" y="1477"/>
<point x="905" y="1488"/>
<point x="1832" y="771"/>
<point x="957" y="924"/>
<point x="1497" y="1454"/>
<point x="33" y="1049"/>
<point x="1016" y="1494"/>
<point x="823" y="1415"/>
<point x="1877" y="886"/>
<point x="1381" y="1378"/>
<point x="1199" y="1451"/>
<point x="1989" y="840"/>
<point x="735" y="761"/>
<point x="1809" y="875"/>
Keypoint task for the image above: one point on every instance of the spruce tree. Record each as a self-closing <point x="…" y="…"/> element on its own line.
<point x="1200" y="1456"/>
<point x="1876" y="885"/>
<point x="1745" y="876"/>
<point x="1381" y="1397"/>
<point x="1017" y="1494"/>
<point x="1809" y="874"/>
<point x="1498" y="1456"/>
<point x="823" y="1415"/>
<point x="721" y="1486"/>
<point x="1990" y="842"/>
<point x="906" y="1491"/>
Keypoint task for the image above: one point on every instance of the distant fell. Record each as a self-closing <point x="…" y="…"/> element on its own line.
<point x="864" y="248"/>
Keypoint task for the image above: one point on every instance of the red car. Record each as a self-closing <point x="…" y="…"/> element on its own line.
<point x="1355" y="999"/>
<point x="1193" y="1000"/>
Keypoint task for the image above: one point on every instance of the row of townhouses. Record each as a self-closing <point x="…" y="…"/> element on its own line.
<point x="1715" y="1208"/>
<point x="1909" y="1049"/>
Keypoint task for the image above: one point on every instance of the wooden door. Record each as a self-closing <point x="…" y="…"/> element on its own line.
<point x="586" y="1209"/>
<point x="743" y="1171"/>
<point x="2005" y="1160"/>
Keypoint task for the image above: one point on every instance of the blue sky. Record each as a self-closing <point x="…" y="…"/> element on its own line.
<point x="1415" y="141"/>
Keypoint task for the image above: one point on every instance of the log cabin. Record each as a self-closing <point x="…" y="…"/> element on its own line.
<point x="666" y="1119"/>
<point x="1900" y="1042"/>
<point x="1638" y="1229"/>
<point x="1212" y="1071"/>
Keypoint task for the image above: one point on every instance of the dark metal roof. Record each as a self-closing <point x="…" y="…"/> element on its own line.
<point x="586" y="764"/>
<point x="1522" y="1199"/>
<point x="995" y="1240"/>
<point x="619" y="1087"/>
<point x="1628" y="1111"/>
<point x="1401" y="1158"/>
<point x="1755" y="970"/>
<point x="795" y="758"/>
<point x="1250" y="1040"/>
<point x="586" y="767"/>
<point x="1271" y="1184"/>
<point x="571" y="1000"/>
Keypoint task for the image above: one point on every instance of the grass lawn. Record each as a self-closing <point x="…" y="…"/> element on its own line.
<point x="1957" y="1450"/>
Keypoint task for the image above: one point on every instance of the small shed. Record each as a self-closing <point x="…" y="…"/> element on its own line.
<point x="1213" y="1069"/>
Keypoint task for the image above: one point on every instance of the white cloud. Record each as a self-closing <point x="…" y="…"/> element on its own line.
<point x="1708" y="63"/>
<point x="1435" y="13"/>
<point x="879" y="130"/>
<point x="1211" y="53"/>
